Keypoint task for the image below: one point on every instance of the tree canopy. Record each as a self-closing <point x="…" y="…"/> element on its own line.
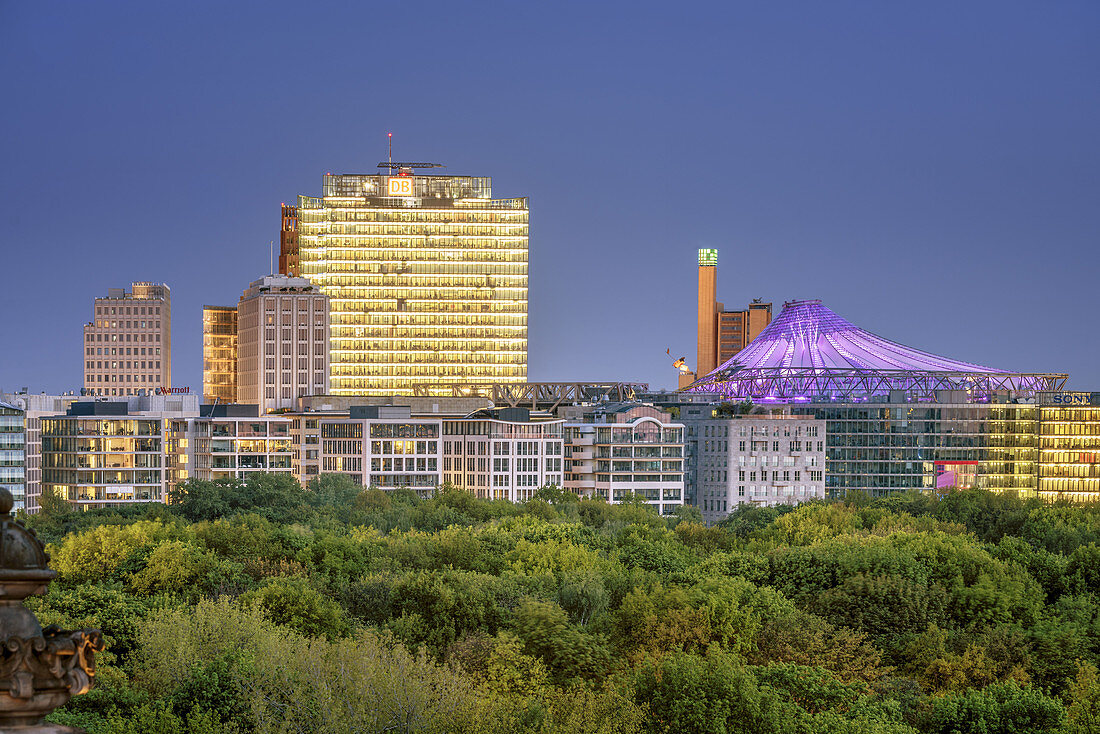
<point x="264" y="606"/>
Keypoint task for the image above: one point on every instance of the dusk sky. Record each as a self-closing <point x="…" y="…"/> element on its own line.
<point x="930" y="170"/>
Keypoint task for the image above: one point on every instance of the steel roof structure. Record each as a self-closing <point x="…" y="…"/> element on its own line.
<point x="810" y="352"/>
<point x="539" y="395"/>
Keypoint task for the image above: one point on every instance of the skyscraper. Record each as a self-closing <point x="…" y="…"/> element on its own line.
<point x="219" y="354"/>
<point x="427" y="277"/>
<point x="128" y="345"/>
<point x="282" y="342"/>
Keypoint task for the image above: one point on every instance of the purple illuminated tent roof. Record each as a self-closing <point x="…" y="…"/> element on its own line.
<point x="810" y="351"/>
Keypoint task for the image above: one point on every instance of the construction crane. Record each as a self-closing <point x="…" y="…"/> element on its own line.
<point x="680" y="364"/>
<point x="402" y="168"/>
<point x="400" y="165"/>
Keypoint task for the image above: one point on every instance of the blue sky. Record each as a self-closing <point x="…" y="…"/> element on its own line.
<point x="930" y="170"/>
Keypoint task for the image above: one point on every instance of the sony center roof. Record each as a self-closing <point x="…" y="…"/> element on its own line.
<point x="810" y="352"/>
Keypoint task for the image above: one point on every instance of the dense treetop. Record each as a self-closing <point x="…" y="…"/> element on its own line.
<point x="262" y="606"/>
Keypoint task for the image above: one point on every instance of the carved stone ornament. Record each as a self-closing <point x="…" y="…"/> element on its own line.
<point x="40" y="669"/>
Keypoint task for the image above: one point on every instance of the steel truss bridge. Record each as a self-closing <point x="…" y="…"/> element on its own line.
<point x="784" y="383"/>
<point x="537" y="395"/>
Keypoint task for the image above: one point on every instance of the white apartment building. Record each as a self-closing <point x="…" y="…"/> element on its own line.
<point x="495" y="454"/>
<point x="756" y="459"/>
<point x="34" y="407"/>
<point x="228" y="442"/>
<point x="376" y="446"/>
<point x="502" y="454"/>
<point x="621" y="450"/>
<point x="282" y="342"/>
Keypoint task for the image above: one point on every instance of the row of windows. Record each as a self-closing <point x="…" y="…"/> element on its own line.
<point x="119" y="351"/>
<point x="127" y="310"/>
<point x="122" y="378"/>
<point x="723" y="431"/>
<point x="460" y="322"/>
<point x="122" y="337"/>
<point x="105" y="324"/>
<point x="126" y="364"/>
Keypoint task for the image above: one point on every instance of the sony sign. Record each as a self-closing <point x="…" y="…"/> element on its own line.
<point x="400" y="186"/>
<point x="1071" y="398"/>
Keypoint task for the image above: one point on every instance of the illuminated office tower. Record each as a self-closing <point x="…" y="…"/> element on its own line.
<point x="128" y="347"/>
<point x="219" y="354"/>
<point x="282" y="342"/>
<point x="427" y="277"/>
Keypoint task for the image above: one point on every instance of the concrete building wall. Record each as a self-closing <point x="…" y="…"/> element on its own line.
<point x="283" y="343"/>
<point x="756" y="460"/>
<point x="128" y="344"/>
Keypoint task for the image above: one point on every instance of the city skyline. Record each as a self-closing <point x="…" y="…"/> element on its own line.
<point x="942" y="195"/>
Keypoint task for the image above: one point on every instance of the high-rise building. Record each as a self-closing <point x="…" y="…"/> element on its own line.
<point x="282" y="342"/>
<point x="427" y="277"/>
<point x="128" y="345"/>
<point x="288" y="241"/>
<point x="722" y="333"/>
<point x="219" y="354"/>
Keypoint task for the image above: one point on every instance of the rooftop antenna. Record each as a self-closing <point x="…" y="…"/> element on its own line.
<point x="389" y="137"/>
<point x="271" y="256"/>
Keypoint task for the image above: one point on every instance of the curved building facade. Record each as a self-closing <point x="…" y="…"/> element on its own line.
<point x="899" y="418"/>
<point x="810" y="352"/>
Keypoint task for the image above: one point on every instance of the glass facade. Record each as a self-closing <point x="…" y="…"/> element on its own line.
<point x="219" y="354"/>
<point x="889" y="447"/>
<point x="227" y="448"/>
<point x="1069" y="453"/>
<point x="97" y="462"/>
<point x="427" y="280"/>
<point x="13" y="454"/>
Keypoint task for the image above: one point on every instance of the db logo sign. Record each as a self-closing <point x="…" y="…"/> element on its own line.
<point x="401" y="186"/>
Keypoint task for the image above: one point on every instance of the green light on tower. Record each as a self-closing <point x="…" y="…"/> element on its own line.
<point x="708" y="257"/>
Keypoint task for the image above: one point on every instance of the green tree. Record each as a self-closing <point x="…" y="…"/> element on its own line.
<point x="713" y="693"/>
<point x="296" y="604"/>
<point x="181" y="568"/>
<point x="1002" y="708"/>
<point x="567" y="652"/>
<point x="555" y="495"/>
<point x="1083" y="696"/>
